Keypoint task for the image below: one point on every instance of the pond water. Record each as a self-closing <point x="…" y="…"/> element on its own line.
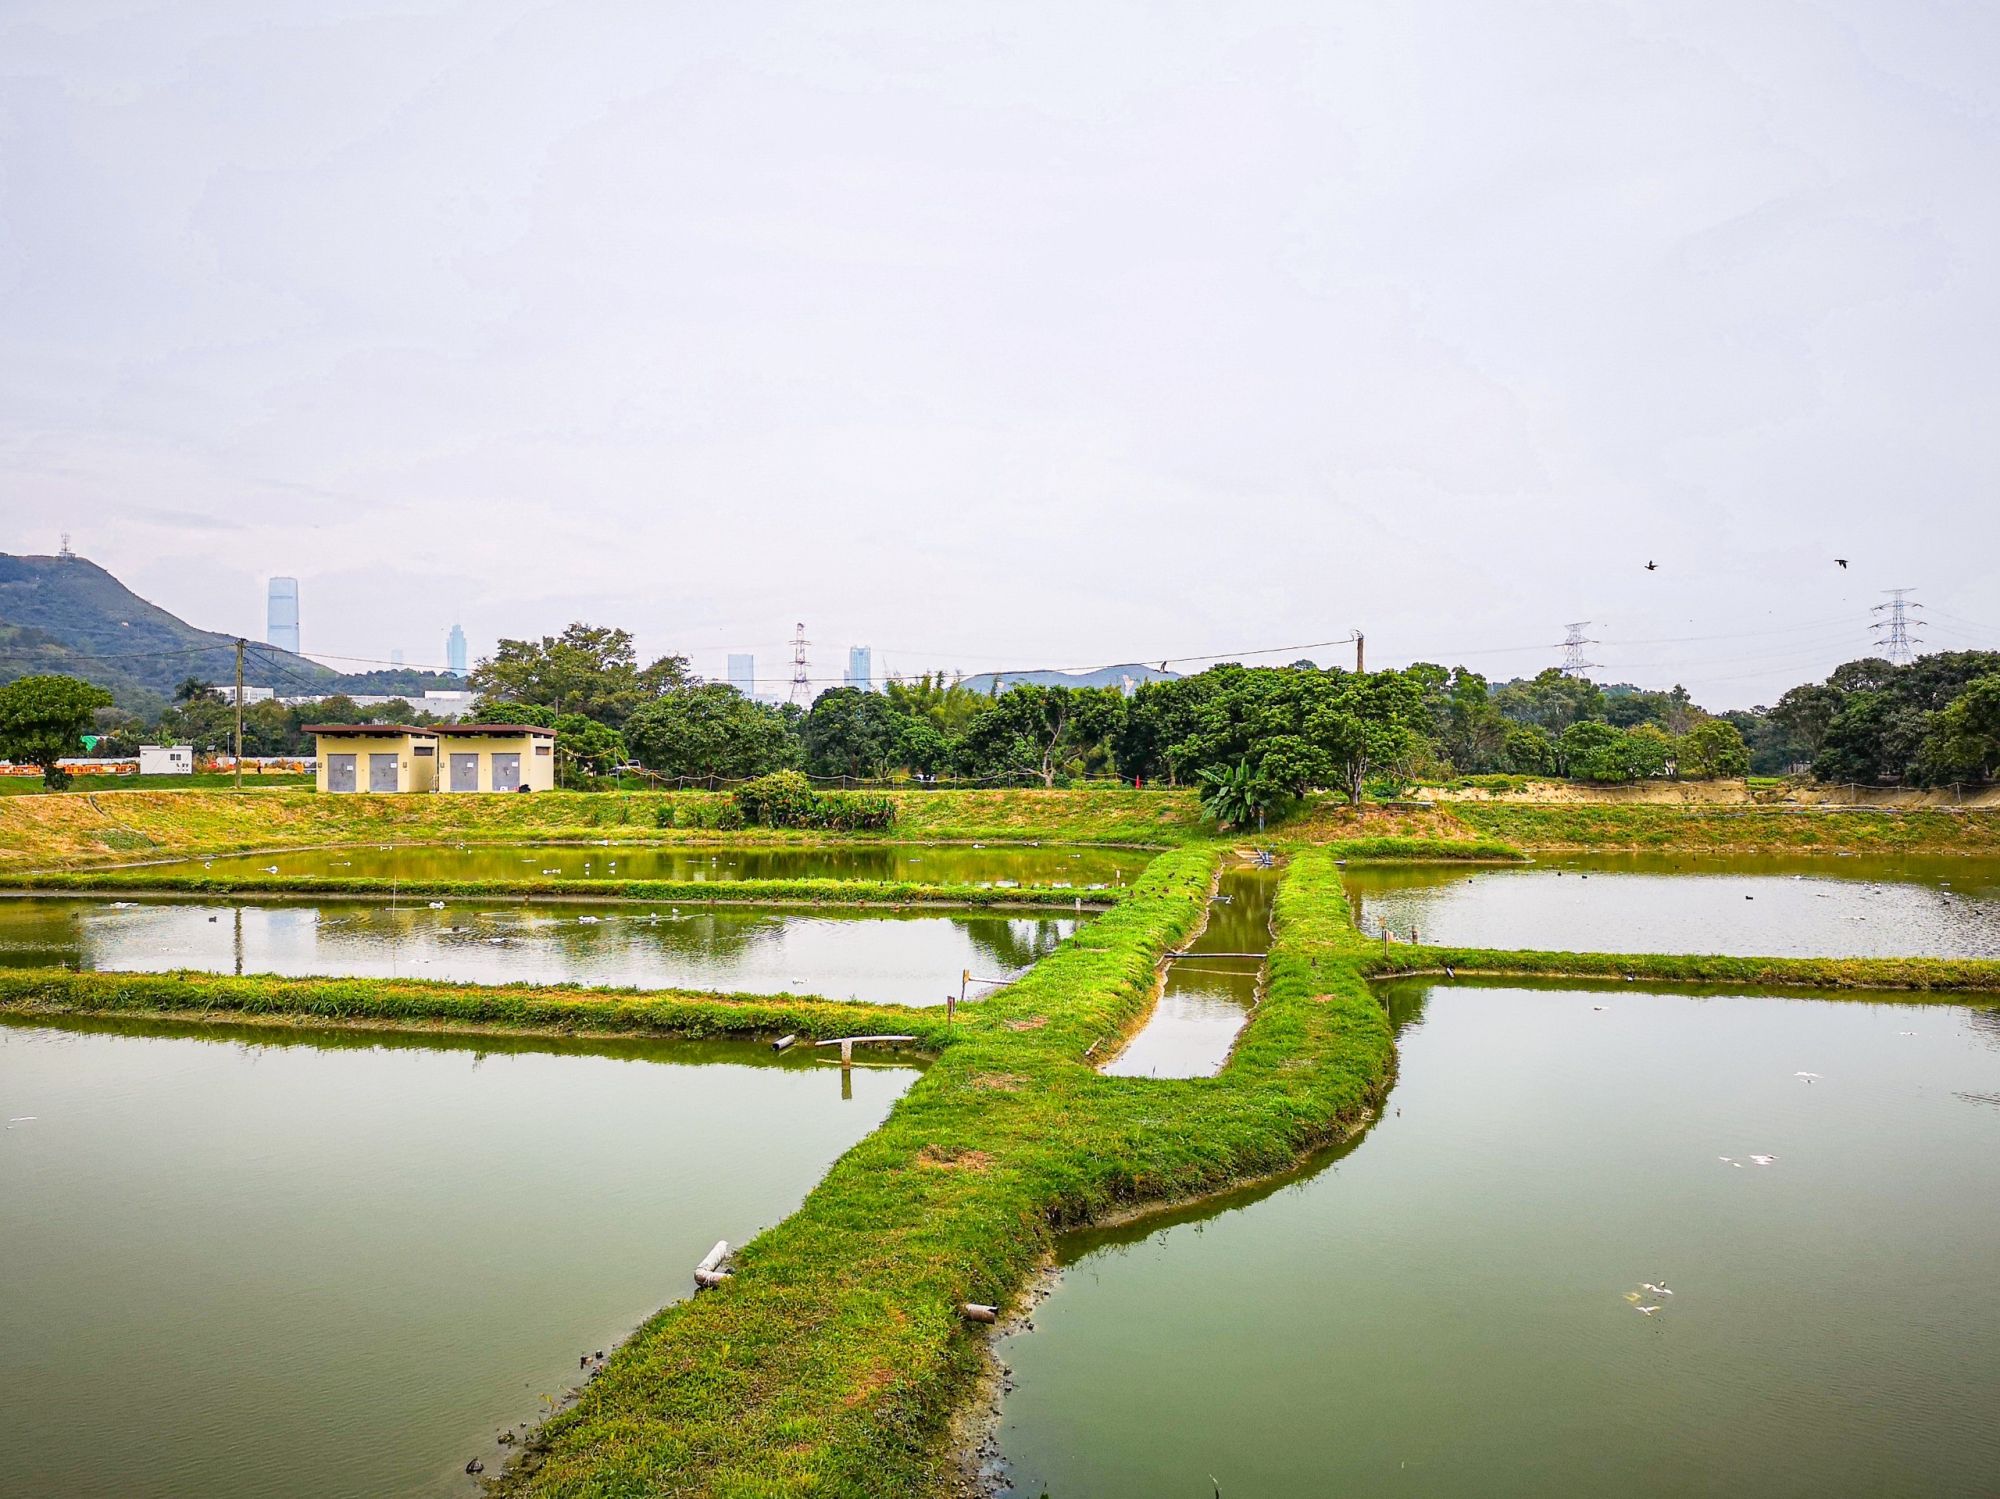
<point x="886" y="958"/>
<point x="929" y="864"/>
<point x="1207" y="998"/>
<point x="1747" y="907"/>
<point x="1446" y="1309"/>
<point x="332" y="1268"/>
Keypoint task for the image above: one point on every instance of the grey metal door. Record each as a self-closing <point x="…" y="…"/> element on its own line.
<point x="507" y="772"/>
<point x="465" y="772"/>
<point x="381" y="772"/>
<point x="340" y="772"/>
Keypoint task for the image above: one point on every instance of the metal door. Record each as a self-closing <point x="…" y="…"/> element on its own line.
<point x="465" y="772"/>
<point x="340" y="772"/>
<point x="506" y="772"/>
<point x="381" y="772"/>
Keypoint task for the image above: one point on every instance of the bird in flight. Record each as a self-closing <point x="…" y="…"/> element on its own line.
<point x="1652" y="567"/>
<point x="1842" y="561"/>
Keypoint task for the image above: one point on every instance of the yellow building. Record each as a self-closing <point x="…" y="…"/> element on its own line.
<point x="496" y="757"/>
<point x="385" y="757"/>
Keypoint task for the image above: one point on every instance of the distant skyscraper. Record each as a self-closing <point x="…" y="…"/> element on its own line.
<point x="281" y="619"/>
<point x="860" y="668"/>
<point x="743" y="674"/>
<point x="454" y="652"/>
<point x="396" y="656"/>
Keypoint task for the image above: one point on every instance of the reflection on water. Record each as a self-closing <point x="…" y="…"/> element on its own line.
<point x="938" y="864"/>
<point x="1748" y="907"/>
<point x="236" y="1271"/>
<point x="882" y="957"/>
<point x="1443" y="1310"/>
<point x="1207" y="998"/>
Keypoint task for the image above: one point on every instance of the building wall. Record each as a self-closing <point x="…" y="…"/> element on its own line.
<point x="538" y="769"/>
<point x="414" y="772"/>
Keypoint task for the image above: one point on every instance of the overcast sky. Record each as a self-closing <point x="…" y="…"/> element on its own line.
<point x="1006" y="335"/>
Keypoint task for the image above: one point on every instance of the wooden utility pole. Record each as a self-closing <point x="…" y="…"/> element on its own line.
<point x="239" y="715"/>
<point x="1360" y="659"/>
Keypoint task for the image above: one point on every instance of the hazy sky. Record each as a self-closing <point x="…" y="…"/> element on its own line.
<point x="1004" y="335"/>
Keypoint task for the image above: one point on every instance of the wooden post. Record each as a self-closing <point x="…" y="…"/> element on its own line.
<point x="1360" y="658"/>
<point x="239" y="715"/>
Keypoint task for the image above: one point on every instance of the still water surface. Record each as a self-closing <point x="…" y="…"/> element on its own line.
<point x="325" y="1269"/>
<point x="886" y="958"/>
<point x="1207" y="999"/>
<point x="1443" y="1310"/>
<point x="929" y="864"/>
<point x="1747" y="907"/>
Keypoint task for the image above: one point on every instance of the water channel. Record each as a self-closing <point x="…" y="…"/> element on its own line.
<point x="1209" y="993"/>
<point x="1456" y="1305"/>
<point x="908" y="958"/>
<point x="1870" y="906"/>
<point x="333" y="1266"/>
<point x="929" y="864"/>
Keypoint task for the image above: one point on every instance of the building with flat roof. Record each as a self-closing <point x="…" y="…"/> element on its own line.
<point x="860" y="668"/>
<point x="398" y="757"/>
<point x="454" y="651"/>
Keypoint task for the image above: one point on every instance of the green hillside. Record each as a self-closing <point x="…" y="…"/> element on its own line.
<point x="67" y="614"/>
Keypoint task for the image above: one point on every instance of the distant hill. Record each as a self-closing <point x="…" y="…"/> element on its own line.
<point x="1104" y="676"/>
<point x="67" y="614"/>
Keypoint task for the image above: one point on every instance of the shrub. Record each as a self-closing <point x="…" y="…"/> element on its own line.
<point x="782" y="800"/>
<point x="855" y="811"/>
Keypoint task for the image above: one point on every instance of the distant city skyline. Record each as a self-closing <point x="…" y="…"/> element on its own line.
<point x="860" y="668"/>
<point x="454" y="651"/>
<point x="281" y="615"/>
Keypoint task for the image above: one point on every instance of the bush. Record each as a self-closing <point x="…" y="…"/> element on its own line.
<point x="715" y="815"/>
<point x="787" y="800"/>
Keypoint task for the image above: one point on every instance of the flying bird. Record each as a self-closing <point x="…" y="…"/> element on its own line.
<point x="1645" y="1311"/>
<point x="1652" y="567"/>
<point x="1656" y="1290"/>
<point x="1841" y="560"/>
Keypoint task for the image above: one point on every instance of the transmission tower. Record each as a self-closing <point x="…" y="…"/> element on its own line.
<point x="801" y="680"/>
<point x="1892" y="633"/>
<point x="1573" y="643"/>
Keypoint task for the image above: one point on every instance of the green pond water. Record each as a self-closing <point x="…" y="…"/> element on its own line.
<point x="1771" y="907"/>
<point x="929" y="864"/>
<point x="1207" y="998"/>
<point x="325" y="1269"/>
<point x="1445" y="1308"/>
<point x="887" y="958"/>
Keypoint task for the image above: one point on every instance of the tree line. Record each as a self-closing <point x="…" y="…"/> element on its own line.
<point x="1254" y="735"/>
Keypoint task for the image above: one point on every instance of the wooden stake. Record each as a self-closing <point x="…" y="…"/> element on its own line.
<point x="239" y="715"/>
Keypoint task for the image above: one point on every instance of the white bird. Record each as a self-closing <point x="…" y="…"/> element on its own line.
<point x="437" y="905"/>
<point x="1808" y="1076"/>
<point x="1646" y="1311"/>
<point x="270" y="869"/>
<point x="1763" y="1160"/>
<point x="586" y="921"/>
<point x="1656" y="1290"/>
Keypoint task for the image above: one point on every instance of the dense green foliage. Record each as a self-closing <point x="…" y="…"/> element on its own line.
<point x="586" y="669"/>
<point x="43" y="719"/>
<point x="788" y="800"/>
<point x="1931" y="723"/>
<point x="709" y="734"/>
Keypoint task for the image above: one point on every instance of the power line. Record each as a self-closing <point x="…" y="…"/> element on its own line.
<point x="1574" y="640"/>
<point x="1893" y="632"/>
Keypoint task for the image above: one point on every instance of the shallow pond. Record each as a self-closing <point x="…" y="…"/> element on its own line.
<point x="1209" y="993"/>
<point x="1446" y="1308"/>
<point x="334" y="1268"/>
<point x="928" y="864"/>
<point x="1747" y="907"/>
<point x="886" y="958"/>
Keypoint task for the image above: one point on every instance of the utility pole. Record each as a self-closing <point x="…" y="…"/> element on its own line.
<point x="1573" y="643"/>
<point x="801" y="681"/>
<point x="1360" y="657"/>
<point x="1893" y="633"/>
<point x="239" y="715"/>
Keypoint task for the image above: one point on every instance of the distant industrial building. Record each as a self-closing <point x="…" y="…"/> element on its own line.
<point x="281" y="618"/>
<point x="166" y="759"/>
<point x="398" y="758"/>
<point x="860" y="668"/>
<point x="743" y="674"/>
<point x="454" y="652"/>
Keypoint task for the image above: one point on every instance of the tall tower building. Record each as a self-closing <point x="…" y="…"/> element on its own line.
<point x="454" y="651"/>
<point x="281" y="617"/>
<point x="743" y="673"/>
<point x="860" y="667"/>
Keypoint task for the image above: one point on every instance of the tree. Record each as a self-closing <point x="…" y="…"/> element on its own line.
<point x="1368" y="724"/>
<point x="1234" y="794"/>
<point x="709" y="733"/>
<point x="1711" y="749"/>
<point x="1528" y="750"/>
<point x="44" y="718"/>
<point x="1039" y="731"/>
<point x="1805" y="714"/>
<point x="585" y="747"/>
<point x="849" y="732"/>
<point x="585" y="670"/>
<point x="195" y="690"/>
<point x="1591" y="750"/>
<point x="947" y="706"/>
<point x="1553" y="700"/>
<point x="1964" y="742"/>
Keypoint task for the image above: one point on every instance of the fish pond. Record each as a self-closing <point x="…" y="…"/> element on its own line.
<point x="1819" y="906"/>
<point x="1209" y="992"/>
<point x="987" y="865"/>
<point x="338" y="1266"/>
<point x="1601" y="1242"/>
<point x="909" y="958"/>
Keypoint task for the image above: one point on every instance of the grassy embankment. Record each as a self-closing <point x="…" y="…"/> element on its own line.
<point x="1945" y="978"/>
<point x="1724" y="830"/>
